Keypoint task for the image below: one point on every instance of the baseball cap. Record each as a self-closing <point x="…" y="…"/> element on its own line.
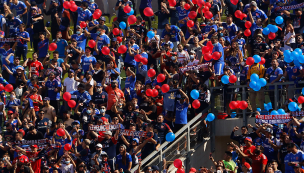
<point x="76" y="122"/>
<point x="248" y="139"/>
<point x="253" y="3"/>
<point x="98" y="85"/>
<point x="10" y="112"/>
<point x="71" y="71"/>
<point x="102" y="18"/>
<point x="34" y="146"/>
<point x="260" y="35"/>
<point x="269" y="130"/>
<point x="104" y="154"/>
<point x="192" y="51"/>
<point x="78" y="27"/>
<point x="202" y="24"/>
<point x="19" y="67"/>
<point x="46" y="98"/>
<point x="108" y="133"/>
<point x="114" y="39"/>
<point x="99" y="146"/>
<point x="136" y="140"/>
<point x="89" y="73"/>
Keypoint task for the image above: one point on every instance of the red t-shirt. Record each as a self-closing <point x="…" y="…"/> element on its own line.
<point x="21" y="159"/>
<point x="35" y="67"/>
<point x="252" y="148"/>
<point x="36" y="104"/>
<point x="36" y="164"/>
<point x="112" y="95"/>
<point x="257" y="162"/>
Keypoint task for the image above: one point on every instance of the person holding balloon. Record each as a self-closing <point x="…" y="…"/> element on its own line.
<point x="79" y="37"/>
<point x="256" y="13"/>
<point x="289" y="37"/>
<point x="92" y="5"/>
<point x="122" y="15"/>
<point x="174" y="33"/>
<point x="84" y="14"/>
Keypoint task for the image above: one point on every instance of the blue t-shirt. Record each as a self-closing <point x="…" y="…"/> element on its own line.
<point x="243" y="74"/>
<point x="169" y="100"/>
<point x="130" y="82"/>
<point x="297" y="158"/>
<point x="119" y="161"/>
<point x="143" y="67"/>
<point x="145" y="3"/>
<point x="174" y="32"/>
<point x="257" y="14"/>
<point x="293" y="71"/>
<point x="208" y="28"/>
<point x="81" y="40"/>
<point x="92" y="7"/>
<point x="254" y="27"/>
<point x="269" y="152"/>
<point x="13" y="26"/>
<point x="62" y="142"/>
<point x="61" y="44"/>
<point x="91" y="23"/>
<point x="130" y="59"/>
<point x="43" y="48"/>
<point x="103" y="40"/>
<point x="10" y="104"/>
<point x="83" y="15"/>
<point x="4" y="53"/>
<point x="273" y="74"/>
<point x="86" y="61"/>
<point x="20" y="7"/>
<point x="232" y="28"/>
<point x="51" y="86"/>
<point x="181" y="113"/>
<point x="23" y="43"/>
<point x="219" y="48"/>
<point x="182" y="13"/>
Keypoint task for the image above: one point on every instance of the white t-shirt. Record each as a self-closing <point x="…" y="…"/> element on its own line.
<point x="182" y="56"/>
<point x="292" y="40"/>
<point x="70" y="84"/>
<point x="91" y="82"/>
<point x="67" y="168"/>
<point x="195" y="62"/>
<point x="157" y="42"/>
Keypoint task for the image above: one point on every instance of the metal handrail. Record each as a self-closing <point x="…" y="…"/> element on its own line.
<point x="160" y="150"/>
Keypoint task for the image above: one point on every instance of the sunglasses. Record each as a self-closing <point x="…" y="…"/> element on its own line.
<point x="42" y="112"/>
<point x="115" y="118"/>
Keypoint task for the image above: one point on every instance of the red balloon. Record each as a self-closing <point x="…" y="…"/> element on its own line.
<point x="91" y="43"/>
<point x="83" y="24"/>
<point x="206" y="49"/>
<point x="52" y="46"/>
<point x="271" y="35"/>
<point x="250" y="61"/>
<point x="238" y="14"/>
<point x="178" y="163"/>
<point x="115" y="31"/>
<point x="127" y="9"/>
<point x="200" y="3"/>
<point x="248" y="24"/>
<point x="144" y="61"/>
<point x="262" y="61"/>
<point x="187" y="6"/>
<point x="104" y="119"/>
<point x="154" y="93"/>
<point x="115" y="19"/>
<point x="205" y="9"/>
<point x="9" y="88"/>
<point x="194" y="1"/>
<point x="208" y="4"/>
<point x="192" y="15"/>
<point x="180" y="170"/>
<point x="1" y="87"/>
<point x="60" y="132"/>
<point x="132" y="19"/>
<point x="244" y="16"/>
<point x="208" y="14"/>
<point x="243" y="105"/>
<point x="105" y="50"/>
<point x="233" y="105"/>
<point x="66" y="5"/>
<point x="157" y="87"/>
<point x="238" y="102"/>
<point x="71" y="103"/>
<point x="172" y="3"/>
<point x="67" y="147"/>
<point x="151" y="72"/>
<point x="234" y="2"/>
<point x="119" y="39"/>
<point x="232" y="79"/>
<point x="98" y="11"/>
<point x="66" y="96"/>
<point x="72" y="2"/>
<point x="73" y="7"/>
<point x="216" y="55"/>
<point x="196" y="104"/>
<point x="209" y="44"/>
<point x="190" y="23"/>
<point x="138" y="58"/>
<point x="96" y="15"/>
<point x="160" y="78"/>
<point x="301" y="99"/>
<point x="122" y="49"/>
<point x="149" y="92"/>
<point x="208" y="56"/>
<point x="165" y="88"/>
<point x="148" y="12"/>
<point x="247" y="32"/>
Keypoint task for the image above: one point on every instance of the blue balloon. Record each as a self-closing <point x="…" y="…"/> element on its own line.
<point x="233" y="115"/>
<point x="287" y="53"/>
<point x="269" y="105"/>
<point x="292" y="106"/>
<point x="281" y="111"/>
<point x="262" y="82"/>
<point x="210" y="117"/>
<point x="299" y="51"/>
<point x="256" y="58"/>
<point x="274" y="112"/>
<point x="170" y="137"/>
<point x="279" y="20"/>
<point x="301" y="59"/>
<point x="294" y="55"/>
<point x="254" y="77"/>
<point x="287" y="56"/>
<point x="150" y="34"/>
<point x="259" y="109"/>
<point x="273" y="28"/>
<point x="266" y="107"/>
<point x="266" y="31"/>
<point x="296" y="62"/>
<point x="131" y="12"/>
<point x="122" y="25"/>
<point x="225" y="79"/>
<point x="257" y="88"/>
<point x="303" y="91"/>
<point x="194" y="94"/>
<point x="252" y="84"/>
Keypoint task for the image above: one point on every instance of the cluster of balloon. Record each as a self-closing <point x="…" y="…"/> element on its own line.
<point x="170" y="137"/>
<point x="195" y="95"/>
<point x="257" y="83"/>
<point x="178" y="164"/>
<point x="238" y="105"/>
<point x="139" y="58"/>
<point x="268" y="106"/>
<point x="296" y="56"/>
<point x="258" y="59"/>
<point x="270" y="30"/>
<point x="8" y="88"/>
<point x="210" y="117"/>
<point x="52" y="46"/>
<point x="70" y="5"/>
<point x="207" y="50"/>
<point x="248" y="25"/>
<point x="67" y="97"/>
<point x="97" y="13"/>
<point x="152" y="92"/>
<point x="278" y="112"/>
<point x="148" y="12"/>
<point x="228" y="79"/>
<point x="239" y="14"/>
<point x="91" y="43"/>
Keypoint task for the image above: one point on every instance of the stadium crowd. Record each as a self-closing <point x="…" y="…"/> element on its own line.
<point x="92" y="96"/>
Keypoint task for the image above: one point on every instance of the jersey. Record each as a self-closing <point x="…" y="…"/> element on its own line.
<point x="273" y="74"/>
<point x="83" y="15"/>
<point x="86" y="61"/>
<point x="174" y="32"/>
<point x="35" y="67"/>
<point x="43" y="48"/>
<point x="20" y="7"/>
<point x="81" y="40"/>
<point x="51" y="86"/>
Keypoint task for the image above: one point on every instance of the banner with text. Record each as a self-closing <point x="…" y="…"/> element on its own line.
<point x="6" y="40"/>
<point x="289" y="7"/>
<point x="127" y="132"/>
<point x="273" y="119"/>
<point x="195" y="67"/>
<point x="32" y="142"/>
<point x="104" y="128"/>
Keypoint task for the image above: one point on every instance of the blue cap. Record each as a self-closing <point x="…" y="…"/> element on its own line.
<point x="98" y="84"/>
<point x="102" y="18"/>
<point x="136" y="140"/>
<point x="114" y="39"/>
<point x="76" y="121"/>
